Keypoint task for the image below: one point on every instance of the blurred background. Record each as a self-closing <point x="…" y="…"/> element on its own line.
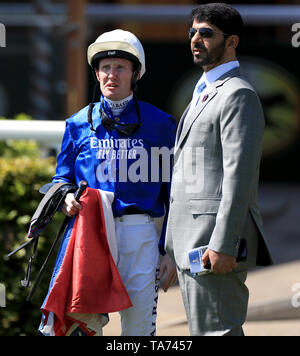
<point x="45" y="76"/>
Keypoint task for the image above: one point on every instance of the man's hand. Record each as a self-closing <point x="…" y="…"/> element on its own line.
<point x="71" y="207"/>
<point x="220" y="262"/>
<point x="167" y="266"/>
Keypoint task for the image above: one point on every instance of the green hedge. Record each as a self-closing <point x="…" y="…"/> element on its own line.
<point x="22" y="172"/>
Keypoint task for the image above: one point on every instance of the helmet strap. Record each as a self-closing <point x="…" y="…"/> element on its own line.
<point x="91" y="105"/>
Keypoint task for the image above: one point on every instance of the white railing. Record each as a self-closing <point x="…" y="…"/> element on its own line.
<point x="48" y="132"/>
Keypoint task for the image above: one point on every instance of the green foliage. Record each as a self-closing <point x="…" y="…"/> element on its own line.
<point x="22" y="172"/>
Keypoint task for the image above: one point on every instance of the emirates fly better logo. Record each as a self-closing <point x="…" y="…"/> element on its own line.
<point x="2" y="296"/>
<point x="2" y="35"/>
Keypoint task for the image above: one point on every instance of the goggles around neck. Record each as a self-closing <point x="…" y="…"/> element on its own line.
<point x="110" y="124"/>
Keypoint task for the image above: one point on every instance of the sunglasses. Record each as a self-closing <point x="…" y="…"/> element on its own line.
<point x="204" y="32"/>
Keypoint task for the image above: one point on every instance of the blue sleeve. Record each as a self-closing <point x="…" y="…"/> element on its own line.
<point x="166" y="186"/>
<point x="66" y="159"/>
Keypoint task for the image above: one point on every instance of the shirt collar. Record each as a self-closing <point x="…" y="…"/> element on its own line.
<point x="217" y="72"/>
<point x="117" y="107"/>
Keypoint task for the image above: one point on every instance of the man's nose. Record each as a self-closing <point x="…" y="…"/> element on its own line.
<point x="112" y="73"/>
<point x="197" y="38"/>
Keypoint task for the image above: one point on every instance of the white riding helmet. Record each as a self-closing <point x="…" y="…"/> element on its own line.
<point x="120" y="44"/>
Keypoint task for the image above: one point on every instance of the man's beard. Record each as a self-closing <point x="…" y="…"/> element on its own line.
<point x="209" y="58"/>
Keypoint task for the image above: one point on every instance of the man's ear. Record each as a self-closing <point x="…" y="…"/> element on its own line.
<point x="97" y="74"/>
<point x="137" y="75"/>
<point x="232" y="41"/>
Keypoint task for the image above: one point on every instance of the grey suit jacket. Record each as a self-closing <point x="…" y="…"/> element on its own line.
<point x="216" y="171"/>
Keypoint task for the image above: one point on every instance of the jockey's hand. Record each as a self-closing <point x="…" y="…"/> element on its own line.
<point x="71" y="207"/>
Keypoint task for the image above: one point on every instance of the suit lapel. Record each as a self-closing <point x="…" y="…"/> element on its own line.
<point x="181" y="122"/>
<point x="194" y="114"/>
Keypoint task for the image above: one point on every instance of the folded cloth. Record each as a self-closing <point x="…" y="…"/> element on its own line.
<point x="85" y="283"/>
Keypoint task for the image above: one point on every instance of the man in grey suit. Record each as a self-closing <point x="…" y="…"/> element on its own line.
<point x="215" y="178"/>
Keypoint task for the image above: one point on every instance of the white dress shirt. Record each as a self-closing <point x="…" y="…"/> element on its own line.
<point x="209" y="78"/>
